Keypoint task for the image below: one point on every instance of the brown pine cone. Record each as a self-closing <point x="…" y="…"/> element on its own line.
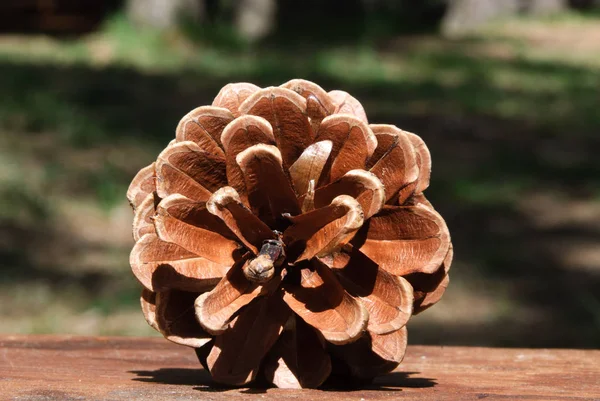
<point x="279" y="231"/>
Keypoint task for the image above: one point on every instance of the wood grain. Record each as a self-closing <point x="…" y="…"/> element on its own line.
<point x="121" y="368"/>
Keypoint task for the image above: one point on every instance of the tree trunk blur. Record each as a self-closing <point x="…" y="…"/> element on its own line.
<point x="544" y="7"/>
<point x="464" y="16"/>
<point x="163" y="14"/>
<point x="255" y="19"/>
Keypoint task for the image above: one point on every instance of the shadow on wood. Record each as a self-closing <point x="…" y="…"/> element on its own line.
<point x="187" y="377"/>
<point x="394" y="381"/>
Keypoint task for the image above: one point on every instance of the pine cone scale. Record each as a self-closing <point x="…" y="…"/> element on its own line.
<point x="347" y="104"/>
<point x="373" y="354"/>
<point x="269" y="191"/>
<point x="309" y="166"/>
<point x="243" y="133"/>
<point x="169" y="313"/>
<point x="248" y="228"/>
<point x="419" y="236"/>
<point x="175" y="318"/>
<point x="215" y="308"/>
<point x="142" y="185"/>
<point x="353" y="143"/>
<point x="160" y="266"/>
<point x="323" y="230"/>
<point x="319" y="103"/>
<point x="423" y="161"/>
<point x="388" y="298"/>
<point x="204" y="126"/>
<point x="148" y="304"/>
<point x="142" y="219"/>
<point x="429" y="288"/>
<point x="285" y="111"/>
<point x="237" y="354"/>
<point x="188" y="224"/>
<point x="231" y="96"/>
<point x="184" y="168"/>
<point x="299" y="358"/>
<point x="321" y="301"/>
<point x="395" y="162"/>
<point x="362" y="185"/>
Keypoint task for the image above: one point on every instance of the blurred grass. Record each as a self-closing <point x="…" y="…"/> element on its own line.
<point x="510" y="115"/>
<point x="496" y="74"/>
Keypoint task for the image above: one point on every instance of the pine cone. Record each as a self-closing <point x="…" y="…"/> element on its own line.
<point x="281" y="235"/>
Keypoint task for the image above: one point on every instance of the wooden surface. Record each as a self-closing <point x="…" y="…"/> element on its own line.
<point x="119" y="368"/>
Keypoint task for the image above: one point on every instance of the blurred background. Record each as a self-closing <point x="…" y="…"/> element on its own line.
<point x="506" y="93"/>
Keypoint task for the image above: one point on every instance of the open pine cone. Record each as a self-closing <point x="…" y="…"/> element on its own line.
<point x="280" y="234"/>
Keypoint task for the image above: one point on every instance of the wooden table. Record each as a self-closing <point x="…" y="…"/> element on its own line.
<point x="69" y="368"/>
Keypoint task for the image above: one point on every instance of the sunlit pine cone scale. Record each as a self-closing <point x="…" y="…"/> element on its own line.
<point x="280" y="231"/>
